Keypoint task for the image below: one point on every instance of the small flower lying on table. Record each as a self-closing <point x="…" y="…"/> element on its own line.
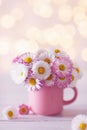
<point x="45" y="68"/>
<point x="10" y="113"/>
<point x="23" y="109"/>
<point x="79" y="122"/>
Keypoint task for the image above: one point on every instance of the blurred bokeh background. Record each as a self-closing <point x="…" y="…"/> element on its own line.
<point x="26" y="25"/>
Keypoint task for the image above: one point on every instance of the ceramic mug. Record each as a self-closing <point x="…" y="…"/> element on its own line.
<point x="49" y="100"/>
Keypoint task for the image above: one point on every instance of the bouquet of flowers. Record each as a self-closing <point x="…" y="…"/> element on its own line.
<point x="45" y="68"/>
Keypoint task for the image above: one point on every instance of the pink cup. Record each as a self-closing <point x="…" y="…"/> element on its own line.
<point x="49" y="101"/>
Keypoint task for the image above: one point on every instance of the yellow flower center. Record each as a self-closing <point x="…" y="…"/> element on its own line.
<point x="23" y="110"/>
<point x="62" y="78"/>
<point x="47" y="60"/>
<point x="62" y="67"/>
<point x="41" y="70"/>
<point x="28" y="60"/>
<point x="77" y="69"/>
<point x="73" y="78"/>
<point x="22" y="73"/>
<point x="57" y="51"/>
<point x="32" y="81"/>
<point x="82" y="126"/>
<point x="10" y="113"/>
<point x="50" y="77"/>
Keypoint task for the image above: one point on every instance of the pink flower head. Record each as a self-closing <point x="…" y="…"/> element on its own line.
<point x="62" y="66"/>
<point x="32" y="83"/>
<point x="27" y="59"/>
<point x="24" y="109"/>
<point x="63" y="82"/>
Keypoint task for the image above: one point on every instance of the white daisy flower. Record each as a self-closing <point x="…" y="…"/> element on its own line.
<point x="79" y="73"/>
<point x="27" y="58"/>
<point x="79" y="123"/>
<point x="41" y="70"/>
<point x="10" y="113"/>
<point x="74" y="78"/>
<point x="50" y="81"/>
<point x="47" y="57"/>
<point x="57" y="52"/>
<point x="19" y="73"/>
<point x="32" y="84"/>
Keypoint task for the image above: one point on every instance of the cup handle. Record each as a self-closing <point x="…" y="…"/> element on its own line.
<point x="74" y="97"/>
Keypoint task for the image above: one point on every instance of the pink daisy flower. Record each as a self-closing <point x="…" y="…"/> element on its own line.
<point x="24" y="109"/>
<point x="27" y="59"/>
<point x="32" y="83"/>
<point x="62" y="66"/>
<point x="63" y="82"/>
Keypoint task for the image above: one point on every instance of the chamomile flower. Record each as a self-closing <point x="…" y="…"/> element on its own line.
<point x="23" y="109"/>
<point x="47" y="57"/>
<point x="79" y="122"/>
<point x="32" y="84"/>
<point x="79" y="73"/>
<point x="41" y="70"/>
<point x="19" y="73"/>
<point x="74" y="78"/>
<point x="27" y="58"/>
<point x="57" y="52"/>
<point x="62" y="66"/>
<point x="10" y="113"/>
<point x="63" y="82"/>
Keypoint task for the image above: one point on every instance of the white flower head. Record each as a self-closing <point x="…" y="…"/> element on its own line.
<point x="41" y="70"/>
<point x="74" y="78"/>
<point x="79" y="73"/>
<point x="79" y="122"/>
<point x="47" y="57"/>
<point x="32" y="84"/>
<point x="10" y="113"/>
<point x="27" y="58"/>
<point x="19" y="73"/>
<point x="57" y="52"/>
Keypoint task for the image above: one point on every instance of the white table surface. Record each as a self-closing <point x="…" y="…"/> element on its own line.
<point x="38" y="122"/>
<point x="38" y="125"/>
